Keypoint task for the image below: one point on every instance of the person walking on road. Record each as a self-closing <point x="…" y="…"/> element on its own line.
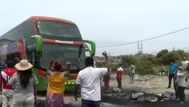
<point x="181" y="83"/>
<point x="7" y="91"/>
<point x="88" y="81"/>
<point x="56" y="81"/>
<point x="132" y="73"/>
<point x="119" y="76"/>
<point x="173" y="68"/>
<point x="24" y="84"/>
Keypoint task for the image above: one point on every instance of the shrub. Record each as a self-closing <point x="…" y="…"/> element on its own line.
<point x="144" y="67"/>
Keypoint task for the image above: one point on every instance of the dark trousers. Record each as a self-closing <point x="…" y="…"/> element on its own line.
<point x="89" y="103"/>
<point x="106" y="82"/>
<point x="180" y="93"/>
<point x="172" y="77"/>
<point x="119" y="82"/>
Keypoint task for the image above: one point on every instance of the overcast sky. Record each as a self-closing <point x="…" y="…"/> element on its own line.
<point x="110" y="22"/>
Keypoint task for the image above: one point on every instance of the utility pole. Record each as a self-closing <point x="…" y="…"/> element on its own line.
<point x="140" y="48"/>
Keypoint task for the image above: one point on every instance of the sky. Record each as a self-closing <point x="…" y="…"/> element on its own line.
<point x="109" y="22"/>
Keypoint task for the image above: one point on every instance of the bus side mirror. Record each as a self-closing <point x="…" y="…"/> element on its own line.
<point x="92" y="48"/>
<point x="41" y="54"/>
<point x="37" y="59"/>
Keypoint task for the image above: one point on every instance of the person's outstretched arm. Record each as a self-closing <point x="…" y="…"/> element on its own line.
<point x="12" y="80"/>
<point x="106" y="68"/>
<point x="50" y="67"/>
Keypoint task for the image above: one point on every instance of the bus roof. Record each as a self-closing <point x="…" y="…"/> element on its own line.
<point x="37" y="18"/>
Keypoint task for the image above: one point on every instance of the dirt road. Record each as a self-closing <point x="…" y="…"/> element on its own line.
<point x="149" y="83"/>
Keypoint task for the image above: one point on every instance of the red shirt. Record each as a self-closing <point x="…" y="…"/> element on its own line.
<point x="5" y="76"/>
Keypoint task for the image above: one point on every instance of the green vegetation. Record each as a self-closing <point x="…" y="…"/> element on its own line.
<point x="151" y="64"/>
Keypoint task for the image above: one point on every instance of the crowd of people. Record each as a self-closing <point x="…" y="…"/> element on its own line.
<point x="119" y="76"/>
<point x="19" y="82"/>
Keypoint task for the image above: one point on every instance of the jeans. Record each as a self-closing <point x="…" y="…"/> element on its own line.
<point x="180" y="93"/>
<point x="119" y="82"/>
<point x="7" y="97"/>
<point x="171" y="76"/>
<point x="131" y="76"/>
<point x="89" y="103"/>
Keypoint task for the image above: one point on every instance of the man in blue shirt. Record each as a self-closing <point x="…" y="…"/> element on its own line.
<point x="173" y="68"/>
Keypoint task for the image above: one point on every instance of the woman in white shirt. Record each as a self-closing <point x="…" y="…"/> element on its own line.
<point x="181" y="83"/>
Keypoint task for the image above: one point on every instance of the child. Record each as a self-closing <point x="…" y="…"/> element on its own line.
<point x="181" y="83"/>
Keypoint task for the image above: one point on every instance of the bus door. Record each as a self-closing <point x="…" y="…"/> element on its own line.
<point x="87" y="50"/>
<point x="90" y="51"/>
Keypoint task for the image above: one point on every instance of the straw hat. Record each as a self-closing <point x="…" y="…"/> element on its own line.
<point x="23" y="65"/>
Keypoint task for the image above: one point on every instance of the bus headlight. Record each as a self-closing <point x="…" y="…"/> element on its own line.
<point x="69" y="82"/>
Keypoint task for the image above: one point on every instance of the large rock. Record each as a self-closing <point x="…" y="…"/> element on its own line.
<point x="151" y="98"/>
<point x="168" y="96"/>
<point x="136" y="95"/>
<point x="116" y="90"/>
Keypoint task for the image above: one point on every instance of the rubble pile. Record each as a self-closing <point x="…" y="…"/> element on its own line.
<point x="137" y="96"/>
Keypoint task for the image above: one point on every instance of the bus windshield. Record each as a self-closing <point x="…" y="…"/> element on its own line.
<point x="66" y="53"/>
<point x="59" y="29"/>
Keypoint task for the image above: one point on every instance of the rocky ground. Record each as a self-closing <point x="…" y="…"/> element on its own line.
<point x="148" y="83"/>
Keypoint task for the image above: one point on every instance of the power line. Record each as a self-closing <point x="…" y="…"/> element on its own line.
<point x="146" y="39"/>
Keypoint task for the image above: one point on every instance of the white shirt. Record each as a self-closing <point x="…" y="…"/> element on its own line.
<point x="90" y="79"/>
<point x="132" y="69"/>
<point x="120" y="69"/>
<point x="185" y="64"/>
<point x="181" y="79"/>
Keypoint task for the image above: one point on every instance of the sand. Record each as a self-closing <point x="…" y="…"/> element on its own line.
<point x="148" y="83"/>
